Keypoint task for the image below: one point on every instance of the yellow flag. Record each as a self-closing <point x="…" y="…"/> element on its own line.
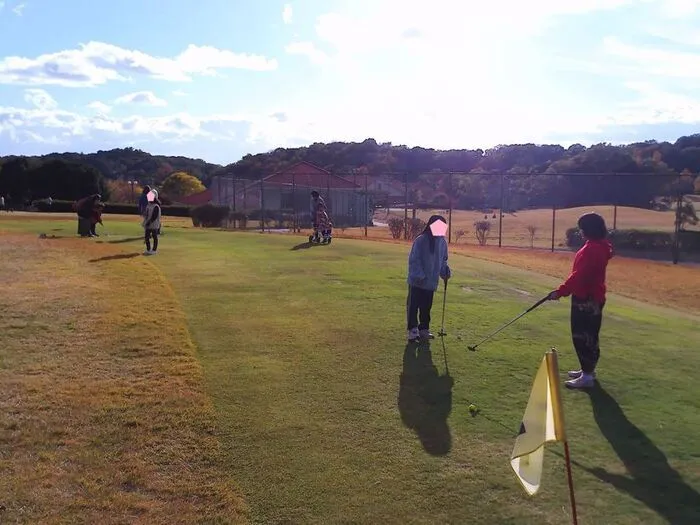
<point x="543" y="422"/>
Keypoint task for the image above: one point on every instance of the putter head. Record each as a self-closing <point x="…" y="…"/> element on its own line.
<point x="442" y="333"/>
<point x="472" y="348"/>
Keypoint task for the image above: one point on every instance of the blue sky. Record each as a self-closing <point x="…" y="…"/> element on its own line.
<point x="218" y="79"/>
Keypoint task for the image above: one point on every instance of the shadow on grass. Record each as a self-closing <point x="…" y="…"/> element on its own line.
<point x="122" y="241"/>
<point x="650" y="480"/>
<point x="117" y="257"/>
<point x="305" y="246"/>
<point x="425" y="399"/>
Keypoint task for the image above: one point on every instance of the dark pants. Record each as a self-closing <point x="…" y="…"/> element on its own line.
<point x="586" y="318"/>
<point x="418" y="304"/>
<point x="154" y="234"/>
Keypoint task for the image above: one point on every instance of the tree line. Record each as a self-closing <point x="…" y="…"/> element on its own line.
<point x="519" y="176"/>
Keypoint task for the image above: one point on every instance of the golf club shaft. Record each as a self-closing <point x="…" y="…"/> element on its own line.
<point x="444" y="301"/>
<point x="538" y="303"/>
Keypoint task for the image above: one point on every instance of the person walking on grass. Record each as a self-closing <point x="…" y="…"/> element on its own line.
<point x="427" y="263"/>
<point x="587" y="288"/>
<point x="152" y="223"/>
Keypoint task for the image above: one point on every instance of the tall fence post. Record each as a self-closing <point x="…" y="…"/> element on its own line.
<point x="405" y="207"/>
<point x="218" y="190"/>
<point x="554" y="223"/>
<point x="615" y="217"/>
<point x="367" y="215"/>
<point x="262" y="205"/>
<point x="449" y="226"/>
<point x="500" y="214"/>
<point x="295" y="222"/>
<point x="245" y="203"/>
<point x="329" y="204"/>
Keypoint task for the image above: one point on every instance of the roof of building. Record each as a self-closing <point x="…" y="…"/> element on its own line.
<point x="307" y="175"/>
<point x="196" y="199"/>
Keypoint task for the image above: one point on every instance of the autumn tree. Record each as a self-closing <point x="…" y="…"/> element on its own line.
<point x="181" y="184"/>
<point x="122" y="191"/>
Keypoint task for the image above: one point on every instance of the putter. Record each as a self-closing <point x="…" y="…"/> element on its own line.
<point x="538" y="303"/>
<point x="442" y="332"/>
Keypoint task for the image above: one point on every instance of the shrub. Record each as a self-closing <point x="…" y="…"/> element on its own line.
<point x="481" y="231"/>
<point x="641" y="240"/>
<point x="459" y="234"/>
<point x="532" y="231"/>
<point x="415" y="227"/>
<point x="396" y="227"/>
<point x="209" y="215"/>
<point x="238" y="218"/>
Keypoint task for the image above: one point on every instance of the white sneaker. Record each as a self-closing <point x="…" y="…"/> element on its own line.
<point x="425" y="334"/>
<point x="148" y="252"/>
<point x="413" y="335"/>
<point x="575" y="374"/>
<point x="583" y="381"/>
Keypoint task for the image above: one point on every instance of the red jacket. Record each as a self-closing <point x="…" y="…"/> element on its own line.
<point x="587" y="278"/>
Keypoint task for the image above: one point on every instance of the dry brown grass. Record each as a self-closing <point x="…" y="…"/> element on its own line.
<point x="105" y="417"/>
<point x="515" y="226"/>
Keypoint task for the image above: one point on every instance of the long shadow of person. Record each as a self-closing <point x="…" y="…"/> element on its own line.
<point x="651" y="479"/>
<point x="425" y="399"/>
<point x="304" y="246"/>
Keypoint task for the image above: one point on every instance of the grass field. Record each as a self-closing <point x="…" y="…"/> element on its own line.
<point x="317" y="416"/>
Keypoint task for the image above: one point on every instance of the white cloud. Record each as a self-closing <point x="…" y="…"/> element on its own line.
<point x="100" y="107"/>
<point x="147" y="98"/>
<point x="96" y="63"/>
<point x="287" y="14"/>
<point x="18" y="9"/>
<point x="654" y="61"/>
<point x="40" y="99"/>
<point x="2" y="6"/>
<point x="179" y="93"/>
<point x="309" y="50"/>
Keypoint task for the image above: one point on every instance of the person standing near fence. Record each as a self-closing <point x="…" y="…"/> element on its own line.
<point x="316" y="199"/>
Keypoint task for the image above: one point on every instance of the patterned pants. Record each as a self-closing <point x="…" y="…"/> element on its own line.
<point x="586" y="319"/>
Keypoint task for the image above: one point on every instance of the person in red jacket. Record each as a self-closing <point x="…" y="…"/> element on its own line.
<point x="586" y="286"/>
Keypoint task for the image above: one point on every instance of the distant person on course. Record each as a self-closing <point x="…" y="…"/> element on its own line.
<point x="152" y="223"/>
<point x="586" y="286"/>
<point x="427" y="263"/>
<point x="316" y="199"/>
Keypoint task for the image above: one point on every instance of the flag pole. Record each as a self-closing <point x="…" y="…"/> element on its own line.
<point x="571" y="483"/>
<point x="553" y="372"/>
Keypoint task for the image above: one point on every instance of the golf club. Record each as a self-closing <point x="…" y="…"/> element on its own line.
<point x="442" y="332"/>
<point x="538" y="303"/>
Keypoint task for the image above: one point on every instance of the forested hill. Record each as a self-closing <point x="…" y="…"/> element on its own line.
<point x="133" y="164"/>
<point x="375" y="158"/>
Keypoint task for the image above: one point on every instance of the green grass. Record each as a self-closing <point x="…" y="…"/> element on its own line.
<point x="304" y="359"/>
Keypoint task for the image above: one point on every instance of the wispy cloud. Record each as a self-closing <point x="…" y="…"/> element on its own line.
<point x="179" y="93"/>
<point x="19" y="9"/>
<point x="100" y="107"/>
<point x="147" y="98"/>
<point x="287" y="14"/>
<point x="40" y="99"/>
<point x="96" y="63"/>
<point x="309" y="50"/>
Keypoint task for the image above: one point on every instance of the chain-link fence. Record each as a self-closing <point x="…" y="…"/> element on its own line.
<point x="650" y="214"/>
